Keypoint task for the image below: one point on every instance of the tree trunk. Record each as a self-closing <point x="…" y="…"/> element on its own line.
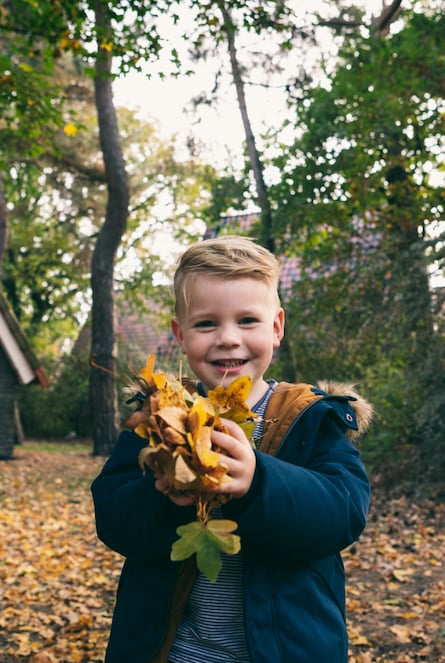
<point x="102" y="383"/>
<point x="389" y="14"/>
<point x="267" y="238"/>
<point x="3" y="226"/>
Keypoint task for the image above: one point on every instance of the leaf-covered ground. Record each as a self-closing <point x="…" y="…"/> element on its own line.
<point x="57" y="581"/>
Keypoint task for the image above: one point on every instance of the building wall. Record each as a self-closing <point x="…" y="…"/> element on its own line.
<point x="8" y="390"/>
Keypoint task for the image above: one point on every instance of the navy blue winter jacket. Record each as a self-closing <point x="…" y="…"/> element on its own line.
<point x="305" y="505"/>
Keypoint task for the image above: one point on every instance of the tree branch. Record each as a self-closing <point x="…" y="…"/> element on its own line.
<point x="389" y="14"/>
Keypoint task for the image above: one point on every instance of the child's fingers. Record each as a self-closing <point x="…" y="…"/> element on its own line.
<point x="234" y="432"/>
<point x="162" y="484"/>
<point x="180" y="499"/>
<point x="239" y="459"/>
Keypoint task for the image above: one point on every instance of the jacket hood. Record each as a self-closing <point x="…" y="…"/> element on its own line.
<point x="363" y="410"/>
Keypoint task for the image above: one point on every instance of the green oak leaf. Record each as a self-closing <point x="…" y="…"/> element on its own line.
<point x="207" y="542"/>
<point x="188" y="543"/>
<point x="222" y="531"/>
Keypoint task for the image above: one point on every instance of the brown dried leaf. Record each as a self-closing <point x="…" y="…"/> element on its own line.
<point x="184" y="475"/>
<point x="159" y="459"/>
<point x="171" y="437"/>
<point x="175" y="417"/>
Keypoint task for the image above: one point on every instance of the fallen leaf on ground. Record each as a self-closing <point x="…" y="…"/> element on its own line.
<point x="58" y="581"/>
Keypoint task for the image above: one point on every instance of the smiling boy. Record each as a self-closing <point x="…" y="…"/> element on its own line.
<point x="299" y="495"/>
<point x="228" y="325"/>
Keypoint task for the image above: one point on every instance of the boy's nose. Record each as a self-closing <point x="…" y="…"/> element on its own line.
<point x="228" y="335"/>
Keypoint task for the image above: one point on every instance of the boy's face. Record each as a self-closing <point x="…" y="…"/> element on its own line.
<point x="229" y="328"/>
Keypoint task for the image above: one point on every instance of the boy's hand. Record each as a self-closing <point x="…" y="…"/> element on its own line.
<point x="240" y="459"/>
<point x="186" y="499"/>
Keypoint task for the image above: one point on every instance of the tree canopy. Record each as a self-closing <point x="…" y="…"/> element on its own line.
<point x="348" y="185"/>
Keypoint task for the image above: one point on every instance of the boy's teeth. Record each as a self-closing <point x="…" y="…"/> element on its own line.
<point x="230" y="364"/>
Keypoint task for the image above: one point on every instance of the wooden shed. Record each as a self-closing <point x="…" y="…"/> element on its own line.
<point x="18" y="366"/>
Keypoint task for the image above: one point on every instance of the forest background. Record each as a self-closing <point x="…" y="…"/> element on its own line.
<point x="347" y="182"/>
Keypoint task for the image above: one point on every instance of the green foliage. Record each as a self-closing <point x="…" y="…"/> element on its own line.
<point x="395" y="399"/>
<point x="409" y="398"/>
<point x="64" y="407"/>
<point x="429" y="420"/>
<point x="45" y="267"/>
<point x="354" y="205"/>
<point x="56" y="205"/>
<point x="226" y="193"/>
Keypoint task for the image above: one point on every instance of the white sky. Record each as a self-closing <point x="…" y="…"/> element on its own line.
<point x="219" y="128"/>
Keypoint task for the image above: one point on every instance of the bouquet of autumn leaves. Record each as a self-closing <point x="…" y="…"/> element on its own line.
<point x="178" y="426"/>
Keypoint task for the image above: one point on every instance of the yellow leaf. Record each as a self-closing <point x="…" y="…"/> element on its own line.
<point x="159" y="459"/>
<point x="201" y="414"/>
<point x="161" y="381"/>
<point x="142" y="431"/>
<point x="222" y="529"/>
<point x="402" y="575"/>
<point x="69" y="129"/>
<point x="207" y="457"/>
<point x="172" y="437"/>
<point x="147" y="372"/>
<point x="402" y="633"/>
<point x="25" y="67"/>
<point x="233" y="395"/>
<point x="106" y="45"/>
<point x="357" y="638"/>
<point x="232" y="401"/>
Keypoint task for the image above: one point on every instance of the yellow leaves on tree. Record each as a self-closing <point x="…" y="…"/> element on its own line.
<point x="178" y="426"/>
<point x="70" y="129"/>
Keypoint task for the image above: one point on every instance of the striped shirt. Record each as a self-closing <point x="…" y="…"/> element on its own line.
<point x="212" y="628"/>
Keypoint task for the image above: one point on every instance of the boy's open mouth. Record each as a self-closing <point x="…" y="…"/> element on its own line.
<point x="229" y="363"/>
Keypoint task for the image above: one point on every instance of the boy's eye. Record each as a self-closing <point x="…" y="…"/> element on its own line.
<point x="248" y="321"/>
<point x="204" y="324"/>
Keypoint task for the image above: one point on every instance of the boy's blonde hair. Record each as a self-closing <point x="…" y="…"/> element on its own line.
<point x="228" y="256"/>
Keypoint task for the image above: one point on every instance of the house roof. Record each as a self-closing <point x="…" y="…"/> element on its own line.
<point x="17" y="349"/>
<point x="139" y="336"/>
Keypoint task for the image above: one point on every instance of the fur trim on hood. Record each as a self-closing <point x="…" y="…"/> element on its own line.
<point x="364" y="411"/>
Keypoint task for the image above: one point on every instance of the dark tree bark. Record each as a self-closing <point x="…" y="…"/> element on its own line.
<point x="102" y="383"/>
<point x="388" y="16"/>
<point x="3" y="225"/>
<point x="267" y="237"/>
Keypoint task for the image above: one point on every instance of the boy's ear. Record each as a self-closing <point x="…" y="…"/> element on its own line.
<point x="177" y="331"/>
<point x="278" y="327"/>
